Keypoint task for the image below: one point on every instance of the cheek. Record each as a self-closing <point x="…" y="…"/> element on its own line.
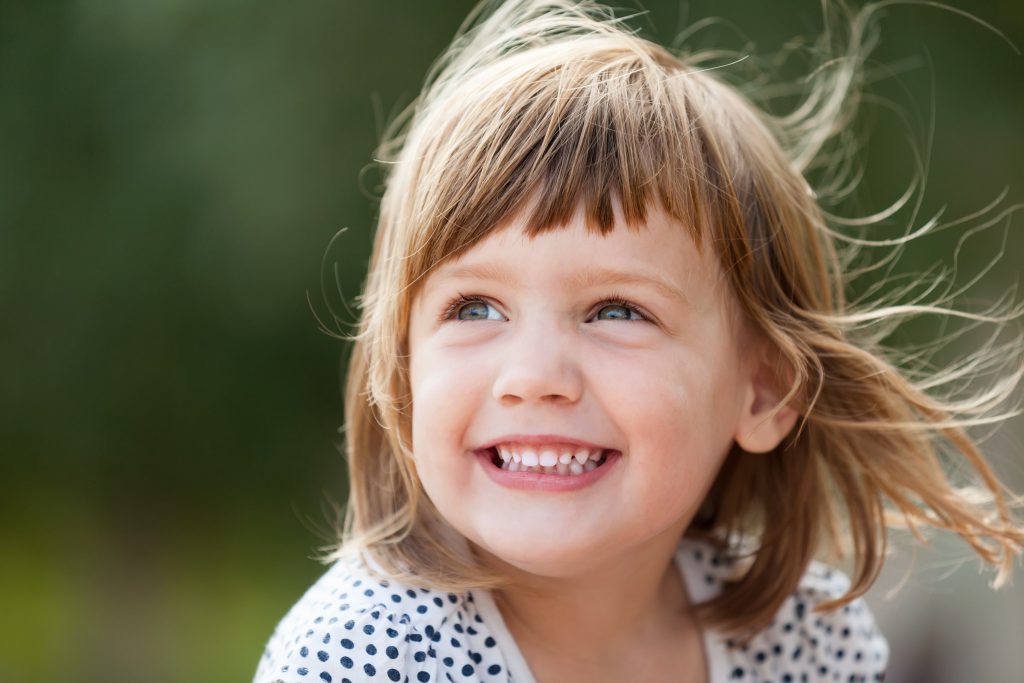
<point x="445" y="396"/>
<point x="667" y="392"/>
<point x="680" y="409"/>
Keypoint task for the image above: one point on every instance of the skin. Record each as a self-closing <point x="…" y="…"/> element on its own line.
<point x="596" y="596"/>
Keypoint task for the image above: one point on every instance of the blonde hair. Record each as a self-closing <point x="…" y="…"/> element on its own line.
<point x="543" y="107"/>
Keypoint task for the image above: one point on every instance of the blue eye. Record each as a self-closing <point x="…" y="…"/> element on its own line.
<point x="620" y="310"/>
<point x="469" y="308"/>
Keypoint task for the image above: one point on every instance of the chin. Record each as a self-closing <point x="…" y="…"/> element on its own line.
<point x="550" y="556"/>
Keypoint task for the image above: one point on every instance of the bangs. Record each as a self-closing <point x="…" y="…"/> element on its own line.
<point x="580" y="126"/>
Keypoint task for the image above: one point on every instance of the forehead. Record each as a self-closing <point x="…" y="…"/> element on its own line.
<point x="658" y="253"/>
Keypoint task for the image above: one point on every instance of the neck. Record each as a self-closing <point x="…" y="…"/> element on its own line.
<point x="633" y="597"/>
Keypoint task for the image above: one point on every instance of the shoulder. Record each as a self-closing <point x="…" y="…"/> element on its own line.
<point x="351" y="625"/>
<point x="801" y="644"/>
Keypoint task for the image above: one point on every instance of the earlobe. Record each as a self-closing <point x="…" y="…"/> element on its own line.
<point x="765" y="421"/>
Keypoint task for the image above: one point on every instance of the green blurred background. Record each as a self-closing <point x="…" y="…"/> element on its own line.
<point x="171" y="175"/>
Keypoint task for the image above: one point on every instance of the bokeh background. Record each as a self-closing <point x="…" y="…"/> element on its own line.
<point x="172" y="173"/>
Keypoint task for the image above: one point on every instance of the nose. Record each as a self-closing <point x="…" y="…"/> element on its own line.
<point x="539" y="364"/>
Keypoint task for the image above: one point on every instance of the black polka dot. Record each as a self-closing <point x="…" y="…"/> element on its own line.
<point x="419" y="655"/>
<point x="346" y="643"/>
<point x="391" y="651"/>
<point x="467" y="670"/>
<point x="371" y="649"/>
<point x="494" y="669"/>
<point x="302" y="671"/>
<point x="368" y="629"/>
<point x="346" y="662"/>
<point x="394" y="675"/>
<point x="423" y="677"/>
<point x="369" y="670"/>
<point x="322" y="655"/>
<point x="325" y="677"/>
<point x="448" y="661"/>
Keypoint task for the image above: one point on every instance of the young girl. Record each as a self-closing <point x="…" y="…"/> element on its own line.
<point x="607" y="403"/>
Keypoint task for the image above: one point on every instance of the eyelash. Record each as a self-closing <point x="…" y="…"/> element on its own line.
<point x="613" y="300"/>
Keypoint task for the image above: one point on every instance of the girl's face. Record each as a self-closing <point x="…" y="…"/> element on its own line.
<point x="621" y="342"/>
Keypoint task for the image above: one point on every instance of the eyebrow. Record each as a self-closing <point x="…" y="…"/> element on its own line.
<point x="582" y="279"/>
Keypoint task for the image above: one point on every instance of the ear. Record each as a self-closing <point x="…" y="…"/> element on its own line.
<point x="765" y="422"/>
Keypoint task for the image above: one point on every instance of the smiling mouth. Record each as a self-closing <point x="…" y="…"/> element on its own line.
<point x="555" y="463"/>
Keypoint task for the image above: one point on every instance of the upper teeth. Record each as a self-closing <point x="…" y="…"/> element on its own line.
<point x="569" y="458"/>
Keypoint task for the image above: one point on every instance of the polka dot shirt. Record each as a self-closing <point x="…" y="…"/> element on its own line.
<point x="351" y="626"/>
